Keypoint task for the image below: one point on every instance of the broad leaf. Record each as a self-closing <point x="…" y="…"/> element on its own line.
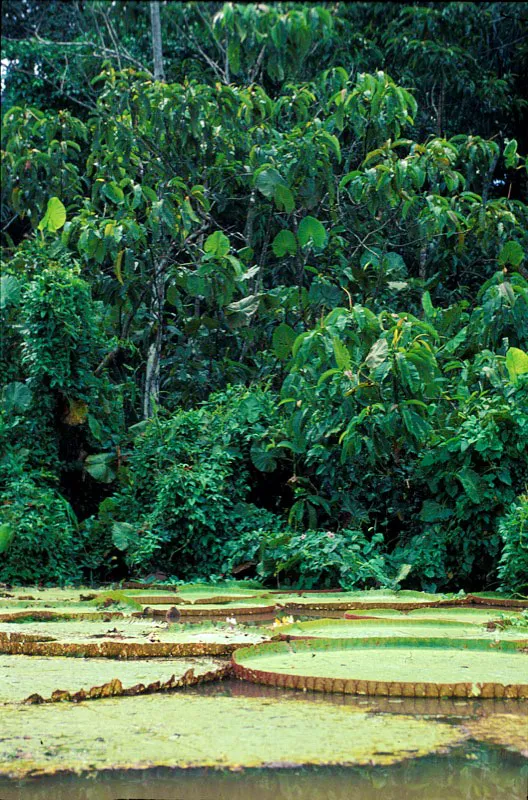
<point x="512" y="253"/>
<point x="123" y="533"/>
<point x="55" y="216"/>
<point x="99" y="466"/>
<point x="283" y="243"/>
<point x="10" y="291"/>
<point x="283" y="339"/>
<point x="114" y="193"/>
<point x="16" y="396"/>
<point x="267" y="181"/>
<point x="516" y="363"/>
<point x="283" y="198"/>
<point x="217" y="244"/>
<point x="311" y="231"/>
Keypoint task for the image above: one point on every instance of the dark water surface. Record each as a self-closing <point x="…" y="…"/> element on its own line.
<point x="473" y="774"/>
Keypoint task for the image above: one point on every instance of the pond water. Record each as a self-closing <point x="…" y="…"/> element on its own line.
<point x="473" y="774"/>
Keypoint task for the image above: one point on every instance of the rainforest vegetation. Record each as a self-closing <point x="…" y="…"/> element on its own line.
<point x="264" y="293"/>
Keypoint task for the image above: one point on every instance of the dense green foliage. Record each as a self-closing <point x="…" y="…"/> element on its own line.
<point x="269" y="316"/>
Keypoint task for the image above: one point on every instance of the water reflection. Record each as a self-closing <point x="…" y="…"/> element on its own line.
<point x="480" y="774"/>
<point x="453" y="707"/>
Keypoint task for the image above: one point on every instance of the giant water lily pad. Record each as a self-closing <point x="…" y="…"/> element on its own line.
<point x="399" y="667"/>
<point x="37" y="594"/>
<point x="198" y="593"/>
<point x="232" y="609"/>
<point x="30" y="611"/>
<point x="185" y="731"/>
<point x="402" y="627"/>
<point x="464" y="614"/>
<point x="497" y="599"/>
<point x="507" y="730"/>
<point x="127" y="638"/>
<point x="35" y="680"/>
<point x="361" y="600"/>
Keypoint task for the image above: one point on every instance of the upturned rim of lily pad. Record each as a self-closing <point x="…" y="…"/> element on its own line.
<point x="243" y="661"/>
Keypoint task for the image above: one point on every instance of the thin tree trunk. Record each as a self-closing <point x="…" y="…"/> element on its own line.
<point x="159" y="74"/>
<point x="153" y="368"/>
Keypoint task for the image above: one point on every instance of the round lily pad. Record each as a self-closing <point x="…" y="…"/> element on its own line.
<point x="401" y="627"/>
<point x="37" y="680"/>
<point x="385" y="666"/>
<point x="125" y="639"/>
<point x="179" y="731"/>
<point x="27" y="612"/>
<point x="507" y="730"/>
<point x="464" y="614"/>
<point x="235" y="608"/>
<point x="361" y="600"/>
<point x="496" y="599"/>
<point x="198" y="593"/>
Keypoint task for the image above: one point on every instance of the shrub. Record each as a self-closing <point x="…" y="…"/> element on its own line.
<point x="44" y="542"/>
<point x="323" y="559"/>
<point x="513" y="565"/>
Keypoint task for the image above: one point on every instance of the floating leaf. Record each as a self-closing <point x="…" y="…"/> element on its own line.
<point x="37" y="680"/>
<point x="397" y="627"/>
<point x="176" y="731"/>
<point x="421" y="668"/>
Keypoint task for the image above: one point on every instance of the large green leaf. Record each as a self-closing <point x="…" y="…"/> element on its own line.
<point x="176" y="731"/>
<point x="217" y="244"/>
<point x="429" y="667"/>
<point x="267" y="181"/>
<point x="264" y="460"/>
<point x="284" y="243"/>
<point x="402" y="627"/>
<point x="282" y="341"/>
<point x="283" y="198"/>
<point x="378" y="354"/>
<point x="131" y="638"/>
<point x="16" y="396"/>
<point x="31" y="679"/>
<point x="114" y="193"/>
<point x="123" y="533"/>
<point x="10" y="291"/>
<point x="55" y="216"/>
<point x="100" y="467"/>
<point x="311" y="231"/>
<point x="341" y="354"/>
<point x="512" y="253"/>
<point x="516" y="363"/>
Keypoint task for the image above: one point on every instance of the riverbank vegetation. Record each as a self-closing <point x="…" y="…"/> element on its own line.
<point x="265" y="305"/>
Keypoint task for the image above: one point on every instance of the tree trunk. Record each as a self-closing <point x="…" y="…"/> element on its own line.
<point x="159" y="74"/>
<point x="153" y="368"/>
